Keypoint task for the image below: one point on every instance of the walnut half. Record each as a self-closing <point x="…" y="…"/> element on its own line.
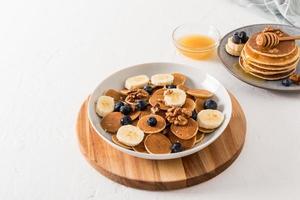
<point x="136" y="94"/>
<point x="178" y="116"/>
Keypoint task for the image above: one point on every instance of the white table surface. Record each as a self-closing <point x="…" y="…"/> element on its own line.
<point x="53" y="54"/>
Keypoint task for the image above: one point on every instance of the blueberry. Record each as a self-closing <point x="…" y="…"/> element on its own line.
<point x="171" y="86"/>
<point x="126" y="109"/>
<point x="176" y="147"/>
<point x="243" y="36"/>
<point x="286" y="82"/>
<point x="141" y="105"/>
<point x="148" y="88"/>
<point x="244" y="40"/>
<point x="210" y="104"/>
<point x="118" y="105"/>
<point x="152" y="121"/>
<point x="236" y="33"/>
<point x="125" y="120"/>
<point x="194" y="115"/>
<point x="236" y="39"/>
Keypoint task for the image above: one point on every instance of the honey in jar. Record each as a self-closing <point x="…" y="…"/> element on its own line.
<point x="197" y="47"/>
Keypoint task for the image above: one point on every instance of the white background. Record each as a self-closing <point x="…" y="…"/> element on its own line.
<point x="53" y="54"/>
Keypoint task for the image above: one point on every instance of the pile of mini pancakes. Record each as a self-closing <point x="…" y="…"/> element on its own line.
<point x="274" y="63"/>
<point x="140" y="136"/>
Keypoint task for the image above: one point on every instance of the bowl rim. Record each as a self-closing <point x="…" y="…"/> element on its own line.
<point x="196" y="50"/>
<point x="161" y="156"/>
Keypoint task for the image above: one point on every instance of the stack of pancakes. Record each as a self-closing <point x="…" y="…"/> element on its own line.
<point x="270" y="64"/>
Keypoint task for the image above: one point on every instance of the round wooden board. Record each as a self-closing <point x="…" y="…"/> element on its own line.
<point x="167" y="174"/>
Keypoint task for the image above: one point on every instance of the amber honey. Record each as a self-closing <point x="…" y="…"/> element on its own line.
<point x="197" y="47"/>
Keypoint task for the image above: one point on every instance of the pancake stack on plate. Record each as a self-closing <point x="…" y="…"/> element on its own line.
<point x="270" y="63"/>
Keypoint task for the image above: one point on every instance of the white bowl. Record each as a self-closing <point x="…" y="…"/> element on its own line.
<point x="196" y="79"/>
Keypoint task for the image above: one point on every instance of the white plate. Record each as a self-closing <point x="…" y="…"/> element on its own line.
<point x="196" y="79"/>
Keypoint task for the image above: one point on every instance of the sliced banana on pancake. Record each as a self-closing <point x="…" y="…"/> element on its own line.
<point x="130" y="135"/>
<point x="210" y="119"/>
<point x="136" y="81"/>
<point x="162" y="79"/>
<point x="105" y="105"/>
<point x="174" y="97"/>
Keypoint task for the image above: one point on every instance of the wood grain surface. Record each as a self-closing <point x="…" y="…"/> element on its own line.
<point x="167" y="174"/>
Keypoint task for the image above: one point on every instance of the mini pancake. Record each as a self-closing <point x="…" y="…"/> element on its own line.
<point x="199" y="137"/>
<point x="187" y="131"/>
<point x="189" y="104"/>
<point x="143" y="124"/>
<point x="157" y="143"/>
<point x="114" y="94"/>
<point x="179" y="79"/>
<point x="199" y="104"/>
<point x="140" y="148"/>
<point x="111" y="122"/>
<point x="205" y="130"/>
<point x="186" y="144"/>
<point x="201" y="93"/>
<point x="158" y="98"/>
<point x="135" y="115"/>
<point x="183" y="87"/>
<point x="116" y="141"/>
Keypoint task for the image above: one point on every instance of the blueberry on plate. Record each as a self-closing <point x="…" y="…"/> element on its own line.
<point x="210" y="104"/>
<point x="286" y="82"/>
<point x="171" y="86"/>
<point x="194" y="115"/>
<point x="126" y="109"/>
<point x="152" y="121"/>
<point x="148" y="88"/>
<point x="118" y="105"/>
<point x="236" y="39"/>
<point x="244" y="40"/>
<point x="141" y="105"/>
<point x="176" y="147"/>
<point x="126" y="120"/>
<point x="243" y="36"/>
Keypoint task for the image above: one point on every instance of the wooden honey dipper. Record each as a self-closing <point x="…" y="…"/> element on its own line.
<point x="270" y="40"/>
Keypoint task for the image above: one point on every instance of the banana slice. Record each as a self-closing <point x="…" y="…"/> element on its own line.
<point x="174" y="97"/>
<point x="136" y="82"/>
<point x="233" y="46"/>
<point x="162" y="79"/>
<point x="130" y="135"/>
<point x="105" y="105"/>
<point x="210" y="119"/>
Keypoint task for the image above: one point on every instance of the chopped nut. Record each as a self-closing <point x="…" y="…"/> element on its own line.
<point x="271" y="29"/>
<point x="136" y="94"/>
<point x="178" y="116"/>
<point x="155" y="109"/>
